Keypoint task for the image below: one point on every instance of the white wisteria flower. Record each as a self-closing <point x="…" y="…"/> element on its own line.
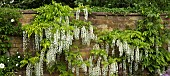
<point x="2" y="65"/>
<point x="12" y="20"/>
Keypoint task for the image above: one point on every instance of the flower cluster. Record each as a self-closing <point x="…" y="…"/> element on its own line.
<point x="2" y="65"/>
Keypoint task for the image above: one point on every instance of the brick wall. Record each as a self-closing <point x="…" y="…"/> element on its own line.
<point x="103" y="21"/>
<point x="16" y="45"/>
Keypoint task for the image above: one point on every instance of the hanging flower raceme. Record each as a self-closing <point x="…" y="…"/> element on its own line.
<point x="124" y="66"/>
<point x="90" y="66"/>
<point x="120" y="45"/>
<point x="137" y="54"/>
<point x="98" y="69"/>
<point x="107" y="48"/>
<point x="37" y="69"/>
<point x="132" y="53"/>
<point x="77" y="71"/>
<point x="39" y="65"/>
<point x="83" y="35"/>
<point x="24" y="40"/>
<point x="69" y="39"/>
<point x="60" y="38"/>
<point x="76" y="32"/>
<point x="56" y="37"/>
<point x="83" y="66"/>
<point x="50" y="55"/>
<point x="67" y="20"/>
<point x="37" y="42"/>
<point x="113" y="46"/>
<point x="77" y="14"/>
<point x="92" y="36"/>
<point x="48" y="33"/>
<point x="85" y="14"/>
<point x="29" y="70"/>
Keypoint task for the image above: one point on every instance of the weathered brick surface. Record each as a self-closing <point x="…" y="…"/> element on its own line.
<point x="16" y="40"/>
<point x="13" y="51"/>
<point x="116" y="22"/>
<point x="16" y="45"/>
<point x="27" y="18"/>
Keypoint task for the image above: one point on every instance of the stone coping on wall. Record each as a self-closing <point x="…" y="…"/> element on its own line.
<point x="93" y="13"/>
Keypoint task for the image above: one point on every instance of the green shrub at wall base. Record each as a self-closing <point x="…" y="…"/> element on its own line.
<point x="9" y="26"/>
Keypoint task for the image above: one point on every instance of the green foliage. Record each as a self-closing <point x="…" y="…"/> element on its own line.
<point x="156" y="35"/>
<point x="112" y="10"/>
<point x="102" y="53"/>
<point x="107" y="3"/>
<point x="11" y="63"/>
<point x="53" y="16"/>
<point x="99" y="52"/>
<point x="72" y="58"/>
<point x="28" y="4"/>
<point x="9" y="26"/>
<point x="45" y="43"/>
<point x="61" y="67"/>
<point x="149" y="34"/>
<point x="9" y="18"/>
<point x="49" y="15"/>
<point x="160" y="4"/>
<point x="126" y="6"/>
<point x="81" y="8"/>
<point x="131" y="36"/>
<point x="29" y="58"/>
<point x="24" y="4"/>
<point x="80" y="23"/>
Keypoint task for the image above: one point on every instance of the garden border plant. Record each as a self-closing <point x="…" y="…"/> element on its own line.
<point x="9" y="26"/>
